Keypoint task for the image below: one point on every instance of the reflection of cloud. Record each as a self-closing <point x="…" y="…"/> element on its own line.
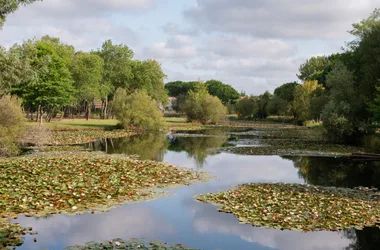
<point x="132" y="221"/>
<point x="208" y="221"/>
<point x="233" y="169"/>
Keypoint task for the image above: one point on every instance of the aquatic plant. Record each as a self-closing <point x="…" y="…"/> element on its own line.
<point x="129" y="244"/>
<point x="298" y="207"/>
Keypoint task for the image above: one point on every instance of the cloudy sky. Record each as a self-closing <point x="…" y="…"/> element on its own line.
<point x="253" y="45"/>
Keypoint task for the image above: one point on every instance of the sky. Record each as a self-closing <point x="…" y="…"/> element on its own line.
<point x="253" y="45"/>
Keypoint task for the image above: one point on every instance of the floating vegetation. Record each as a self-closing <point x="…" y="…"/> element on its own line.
<point x="11" y="234"/>
<point x="295" y="147"/>
<point x="81" y="182"/>
<point x="85" y="136"/>
<point x="298" y="207"/>
<point x="58" y="149"/>
<point x="130" y="244"/>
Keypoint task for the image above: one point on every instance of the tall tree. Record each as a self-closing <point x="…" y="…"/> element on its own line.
<point x="302" y="98"/>
<point x="15" y="70"/>
<point x="148" y="76"/>
<point x="87" y="71"/>
<point x="340" y="115"/>
<point x="53" y="86"/>
<point x="226" y="93"/>
<point x="117" y="70"/>
<point x="179" y="88"/>
<point x="315" y="68"/>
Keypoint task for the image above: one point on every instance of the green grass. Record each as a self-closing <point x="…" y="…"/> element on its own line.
<point x="80" y="124"/>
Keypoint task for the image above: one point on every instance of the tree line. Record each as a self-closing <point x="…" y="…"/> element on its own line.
<point x="342" y="89"/>
<point x="51" y="77"/>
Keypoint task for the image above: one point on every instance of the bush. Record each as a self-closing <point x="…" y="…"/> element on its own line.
<point x="246" y="108"/>
<point x="203" y="107"/>
<point x="137" y="110"/>
<point x="11" y="125"/>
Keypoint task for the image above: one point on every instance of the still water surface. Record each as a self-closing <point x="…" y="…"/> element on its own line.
<point x="178" y="218"/>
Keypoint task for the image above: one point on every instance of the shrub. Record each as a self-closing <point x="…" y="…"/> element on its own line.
<point x="203" y="107"/>
<point x="11" y="125"/>
<point x="246" y="108"/>
<point x="137" y="110"/>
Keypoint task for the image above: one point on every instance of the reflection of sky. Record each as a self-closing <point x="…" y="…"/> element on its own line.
<point x="180" y="219"/>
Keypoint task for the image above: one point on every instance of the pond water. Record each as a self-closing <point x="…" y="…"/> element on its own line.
<point x="178" y="218"/>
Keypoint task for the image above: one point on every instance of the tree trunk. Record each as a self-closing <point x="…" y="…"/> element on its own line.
<point x="88" y="110"/>
<point x="38" y="113"/>
<point x="105" y="108"/>
<point x="41" y="116"/>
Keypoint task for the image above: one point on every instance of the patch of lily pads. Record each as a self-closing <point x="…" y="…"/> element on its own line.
<point x="58" y="149"/>
<point x="78" y="182"/>
<point x="294" y="147"/>
<point x="298" y="207"/>
<point x="11" y="234"/>
<point x="84" y="136"/>
<point x="129" y="244"/>
<point x="74" y="183"/>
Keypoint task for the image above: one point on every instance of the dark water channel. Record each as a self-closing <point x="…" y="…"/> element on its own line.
<point x="178" y="218"/>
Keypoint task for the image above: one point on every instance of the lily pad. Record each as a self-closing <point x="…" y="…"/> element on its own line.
<point x="298" y="207"/>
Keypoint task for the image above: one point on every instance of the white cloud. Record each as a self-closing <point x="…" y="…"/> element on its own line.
<point x="277" y="18"/>
<point x="248" y="46"/>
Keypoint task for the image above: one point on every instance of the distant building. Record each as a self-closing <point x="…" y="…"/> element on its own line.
<point x="171" y="104"/>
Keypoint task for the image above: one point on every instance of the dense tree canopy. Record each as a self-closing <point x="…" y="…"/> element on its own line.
<point x="203" y="107"/>
<point x="50" y="76"/>
<point x="224" y="92"/>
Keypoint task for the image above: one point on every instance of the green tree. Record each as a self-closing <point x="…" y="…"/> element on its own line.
<point x="278" y="106"/>
<point x="52" y="88"/>
<point x="224" y="92"/>
<point x="14" y="69"/>
<point x="315" y="68"/>
<point x="203" y="107"/>
<point x="318" y="101"/>
<point x="302" y="98"/>
<point x="340" y="116"/>
<point x="10" y="6"/>
<point x="148" y="76"/>
<point x="117" y="64"/>
<point x="247" y="107"/>
<point x="117" y="70"/>
<point x="178" y="88"/>
<point x="263" y="105"/>
<point x="286" y="91"/>
<point x="86" y="70"/>
<point x="11" y="125"/>
<point x="137" y="110"/>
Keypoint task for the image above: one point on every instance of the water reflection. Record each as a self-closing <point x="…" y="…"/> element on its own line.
<point x="147" y="146"/>
<point x="180" y="219"/>
<point x="197" y="148"/>
<point x="338" y="172"/>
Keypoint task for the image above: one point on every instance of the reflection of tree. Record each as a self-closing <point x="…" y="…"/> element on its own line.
<point x="343" y="172"/>
<point x="339" y="172"/>
<point x="367" y="239"/>
<point x="197" y="148"/>
<point x="146" y="146"/>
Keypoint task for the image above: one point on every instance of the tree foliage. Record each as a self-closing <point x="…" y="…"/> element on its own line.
<point x="224" y="92"/>
<point x="137" y="110"/>
<point x="340" y="113"/>
<point x="246" y="107"/>
<point x="11" y="125"/>
<point x="302" y="98"/>
<point x="177" y="88"/>
<point x="203" y="107"/>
